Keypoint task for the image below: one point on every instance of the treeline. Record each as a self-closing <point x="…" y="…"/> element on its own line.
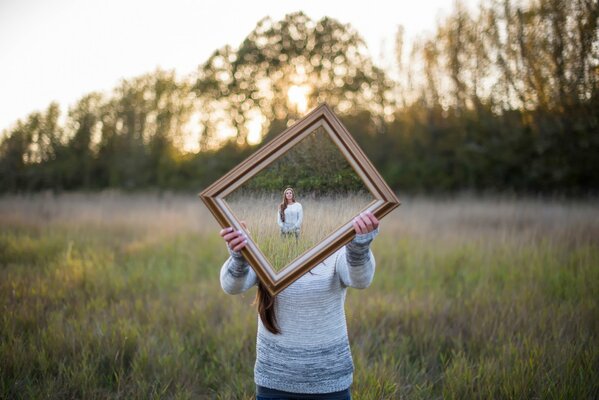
<point x="504" y="97"/>
<point x="314" y="165"/>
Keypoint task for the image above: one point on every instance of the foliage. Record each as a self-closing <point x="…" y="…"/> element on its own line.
<point x="315" y="164"/>
<point x="254" y="79"/>
<point x="504" y="98"/>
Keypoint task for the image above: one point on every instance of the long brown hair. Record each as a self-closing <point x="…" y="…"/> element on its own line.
<point x="265" y="303"/>
<point x="283" y="204"/>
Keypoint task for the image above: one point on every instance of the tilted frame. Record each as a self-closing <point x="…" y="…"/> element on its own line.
<point x="322" y="116"/>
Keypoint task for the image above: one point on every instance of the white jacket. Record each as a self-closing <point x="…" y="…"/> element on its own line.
<point x="294" y="215"/>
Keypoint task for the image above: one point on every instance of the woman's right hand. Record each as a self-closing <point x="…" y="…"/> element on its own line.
<point x="236" y="240"/>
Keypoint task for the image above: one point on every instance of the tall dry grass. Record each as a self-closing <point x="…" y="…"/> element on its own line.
<point x="322" y="215"/>
<point x="117" y="296"/>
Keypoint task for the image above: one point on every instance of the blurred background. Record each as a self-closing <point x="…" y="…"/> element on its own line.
<point x="481" y="114"/>
<point x="486" y="96"/>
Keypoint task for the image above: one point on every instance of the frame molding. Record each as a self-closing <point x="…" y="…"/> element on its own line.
<point x="322" y="116"/>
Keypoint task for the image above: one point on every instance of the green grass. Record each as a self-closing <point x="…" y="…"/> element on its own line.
<point x="118" y="297"/>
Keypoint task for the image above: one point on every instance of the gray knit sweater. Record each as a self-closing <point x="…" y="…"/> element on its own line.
<point x="312" y="354"/>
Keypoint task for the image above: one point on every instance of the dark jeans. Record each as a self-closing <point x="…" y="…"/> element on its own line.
<point x="263" y="393"/>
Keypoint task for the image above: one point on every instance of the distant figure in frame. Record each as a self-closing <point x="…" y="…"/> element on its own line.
<point x="290" y="215"/>
<point x="302" y="346"/>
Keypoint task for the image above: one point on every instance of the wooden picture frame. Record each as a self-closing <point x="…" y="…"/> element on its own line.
<point x="322" y="116"/>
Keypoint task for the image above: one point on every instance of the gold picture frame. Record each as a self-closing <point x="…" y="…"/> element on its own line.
<point x="384" y="201"/>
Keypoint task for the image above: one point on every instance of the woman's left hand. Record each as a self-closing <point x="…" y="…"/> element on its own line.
<point x="365" y="222"/>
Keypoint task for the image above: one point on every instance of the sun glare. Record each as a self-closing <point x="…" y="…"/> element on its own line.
<point x="298" y="97"/>
<point x="192" y="133"/>
<point x="255" y="125"/>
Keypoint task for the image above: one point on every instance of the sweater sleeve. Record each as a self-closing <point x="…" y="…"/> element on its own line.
<point x="355" y="264"/>
<point x="236" y="276"/>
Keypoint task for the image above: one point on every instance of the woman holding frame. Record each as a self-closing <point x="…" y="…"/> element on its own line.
<point x="302" y="348"/>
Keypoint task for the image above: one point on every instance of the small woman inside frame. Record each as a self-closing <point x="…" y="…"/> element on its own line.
<point x="290" y="215"/>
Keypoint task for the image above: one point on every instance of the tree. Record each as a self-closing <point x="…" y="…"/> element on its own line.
<point x="325" y="59"/>
<point x="13" y="153"/>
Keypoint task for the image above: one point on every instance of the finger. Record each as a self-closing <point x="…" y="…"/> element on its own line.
<point x="240" y="245"/>
<point x="230" y="236"/>
<point x="356" y="226"/>
<point x="373" y="220"/>
<point x="366" y="219"/>
<point x="234" y="242"/>
<point x="234" y="235"/>
<point x="361" y="224"/>
<point x="226" y="230"/>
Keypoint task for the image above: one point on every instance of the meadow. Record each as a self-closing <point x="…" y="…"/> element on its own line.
<point x="117" y="296"/>
<point x="323" y="214"/>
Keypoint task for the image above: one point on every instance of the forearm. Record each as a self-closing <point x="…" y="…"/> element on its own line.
<point x="358" y="265"/>
<point x="236" y="276"/>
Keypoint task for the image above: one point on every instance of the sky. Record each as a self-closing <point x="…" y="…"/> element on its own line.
<point x="59" y="50"/>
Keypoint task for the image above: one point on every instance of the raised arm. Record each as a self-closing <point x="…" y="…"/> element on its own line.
<point x="355" y="264"/>
<point x="236" y="276"/>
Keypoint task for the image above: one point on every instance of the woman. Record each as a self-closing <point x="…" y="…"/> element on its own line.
<point x="290" y="214"/>
<point x="302" y="349"/>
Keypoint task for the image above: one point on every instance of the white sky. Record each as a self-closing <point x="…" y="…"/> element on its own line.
<point x="62" y="49"/>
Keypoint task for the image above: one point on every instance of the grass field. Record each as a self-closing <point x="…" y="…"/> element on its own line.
<point x="322" y="215"/>
<point x="117" y="296"/>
